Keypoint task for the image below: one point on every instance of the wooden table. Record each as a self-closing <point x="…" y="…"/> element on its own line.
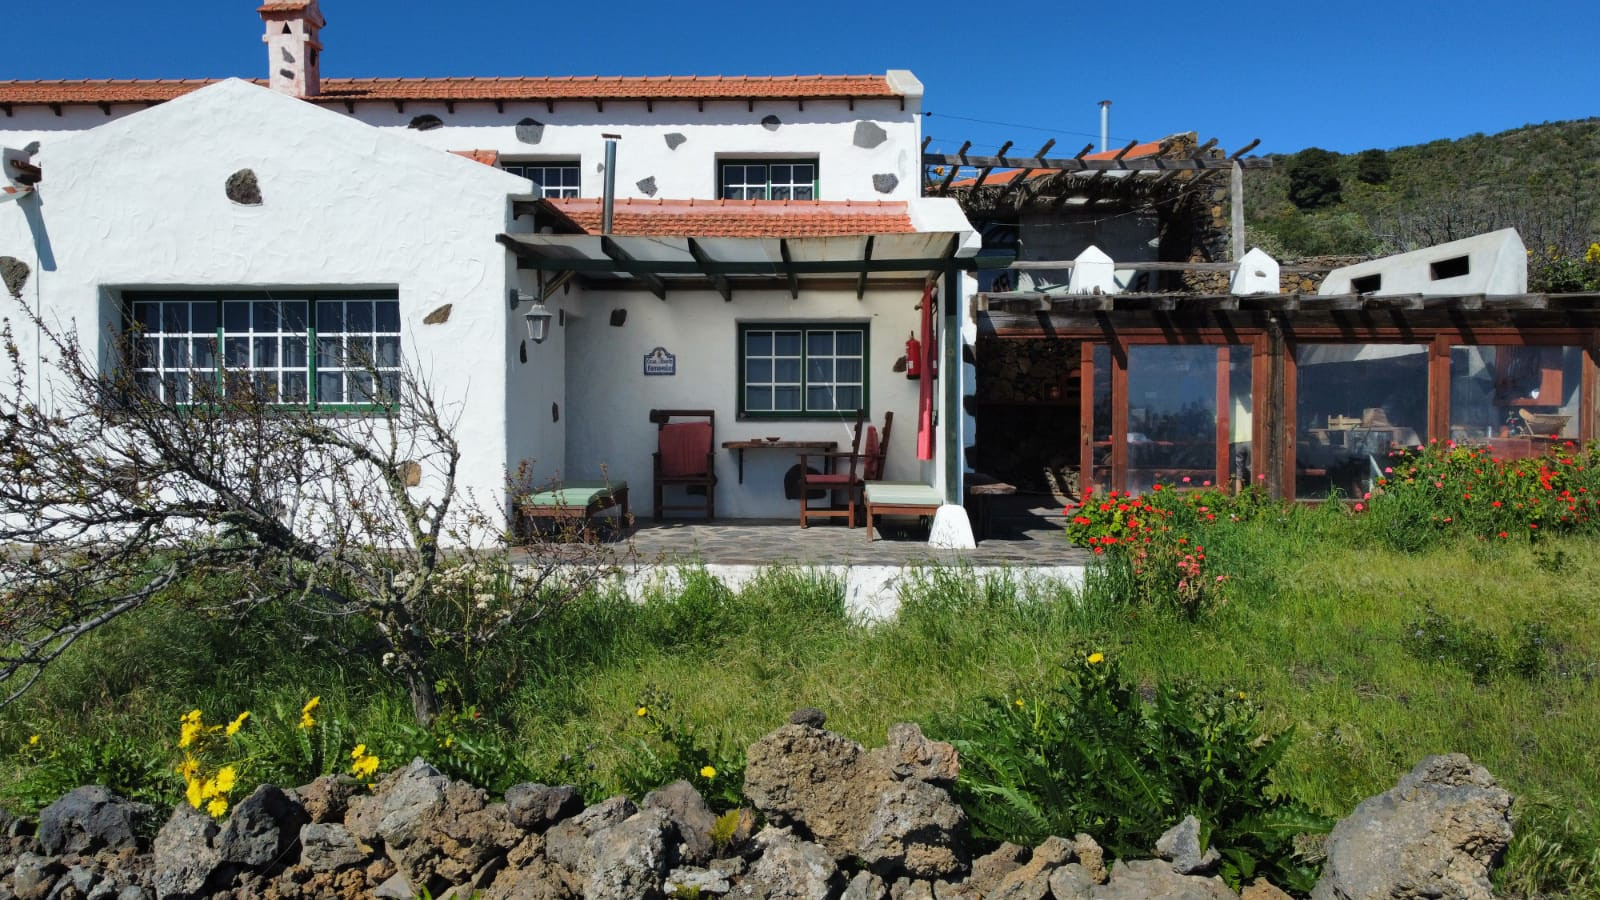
<point x="759" y="444"/>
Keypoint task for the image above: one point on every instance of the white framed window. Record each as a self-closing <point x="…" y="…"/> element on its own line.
<point x="767" y="179"/>
<point x="550" y="178"/>
<point x="802" y="371"/>
<point x="321" y="351"/>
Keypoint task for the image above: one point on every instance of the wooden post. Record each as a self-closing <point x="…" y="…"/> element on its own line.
<point x="1238" y="210"/>
<point x="1260" y="399"/>
<point x="1119" y="414"/>
<point x="1085" y="418"/>
<point x="1589" y="382"/>
<point x="1224" y="418"/>
<point x="1439" y="389"/>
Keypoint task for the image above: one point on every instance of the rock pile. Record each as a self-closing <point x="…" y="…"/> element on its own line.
<point x="841" y="821"/>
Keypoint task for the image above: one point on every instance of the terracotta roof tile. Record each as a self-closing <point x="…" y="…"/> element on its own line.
<point x="1151" y="148"/>
<point x="277" y="6"/>
<point x="740" y="218"/>
<point x="487" y="157"/>
<point x="336" y="90"/>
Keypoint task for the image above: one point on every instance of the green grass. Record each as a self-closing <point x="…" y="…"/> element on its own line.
<point x="1313" y="631"/>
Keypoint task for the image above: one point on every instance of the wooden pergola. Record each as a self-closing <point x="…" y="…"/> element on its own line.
<point x="1273" y="329"/>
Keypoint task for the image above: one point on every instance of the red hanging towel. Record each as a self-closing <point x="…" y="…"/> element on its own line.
<point x="925" y="386"/>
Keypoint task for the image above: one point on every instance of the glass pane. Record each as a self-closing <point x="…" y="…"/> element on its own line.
<point x="147" y="353"/>
<point x="330" y="317"/>
<point x="360" y="388"/>
<point x="780" y="192"/>
<point x="849" y="343"/>
<point x="294" y="352"/>
<point x="1516" y="400"/>
<point x="175" y="317"/>
<point x="819" y="370"/>
<point x="266" y="352"/>
<point x="758" y="371"/>
<point x="147" y="316"/>
<point x="388" y="387"/>
<point x="1241" y="419"/>
<point x="358" y="351"/>
<point x="148" y="383"/>
<point x="805" y="172"/>
<point x="786" y="371"/>
<point x="236" y="317"/>
<point x="786" y="399"/>
<point x="175" y="353"/>
<point x="758" y="399"/>
<point x="329" y="354"/>
<point x="758" y="343"/>
<point x="848" y="370"/>
<point x="804" y="192"/>
<point x="820" y="399"/>
<point x="780" y="174"/>
<point x="294" y="387"/>
<point x="266" y="313"/>
<point x="1101" y="476"/>
<point x="330" y="387"/>
<point x="389" y="351"/>
<point x="267" y="386"/>
<point x="851" y="397"/>
<point x="819" y="343"/>
<point x="205" y="352"/>
<point x="1172" y="416"/>
<point x="358" y="316"/>
<point x="176" y="388"/>
<point x="204" y="316"/>
<point x="1356" y="403"/>
<point x="236" y="352"/>
<point x="294" y="315"/>
<point x="388" y="315"/>
<point x="788" y="343"/>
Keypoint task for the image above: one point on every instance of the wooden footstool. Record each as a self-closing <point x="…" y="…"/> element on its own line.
<point x="574" y="501"/>
<point x="900" y="498"/>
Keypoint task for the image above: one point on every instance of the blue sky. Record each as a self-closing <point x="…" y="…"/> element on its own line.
<point x="1340" y="75"/>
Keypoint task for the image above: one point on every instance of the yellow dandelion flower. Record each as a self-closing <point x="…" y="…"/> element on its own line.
<point x="1241" y="695"/>
<point x="642" y="711"/>
<point x="1019" y="703"/>
<point x="1593" y="253"/>
<point x="450" y="741"/>
<point x="238" y="723"/>
<point x="708" y="773"/>
<point x="1096" y="658"/>
<point x="33" y="740"/>
<point x="311" y="705"/>
<point x="192" y="715"/>
<point x="226" y="777"/>
<point x="188" y="767"/>
<point x="208" y="788"/>
<point x="359" y="751"/>
<point x="188" y="733"/>
<point x="217" y="808"/>
<point x="364" y="767"/>
<point x="194" y="793"/>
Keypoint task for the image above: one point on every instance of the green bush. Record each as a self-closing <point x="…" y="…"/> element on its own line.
<point x="1437" y="637"/>
<point x="1097" y="756"/>
<point x="667" y="750"/>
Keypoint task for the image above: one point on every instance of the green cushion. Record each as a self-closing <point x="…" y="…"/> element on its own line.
<point x="575" y="493"/>
<point x="902" y="493"/>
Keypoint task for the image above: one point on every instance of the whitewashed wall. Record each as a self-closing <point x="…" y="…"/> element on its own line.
<point x="610" y="398"/>
<point x="845" y="142"/>
<point x="139" y="203"/>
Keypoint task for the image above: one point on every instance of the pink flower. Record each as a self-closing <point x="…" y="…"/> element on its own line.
<point x="1360" y="507"/>
<point x="1185" y="479"/>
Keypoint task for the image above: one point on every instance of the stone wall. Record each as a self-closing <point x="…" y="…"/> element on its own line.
<point x="841" y="821"/>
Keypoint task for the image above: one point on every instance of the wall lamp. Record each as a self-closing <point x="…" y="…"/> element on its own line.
<point x="537" y="317"/>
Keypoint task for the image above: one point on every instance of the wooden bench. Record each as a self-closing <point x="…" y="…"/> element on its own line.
<point x="573" y="502"/>
<point x="900" y="498"/>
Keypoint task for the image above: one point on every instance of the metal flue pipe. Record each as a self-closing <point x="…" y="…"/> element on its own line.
<point x="1105" y="125"/>
<point x="611" y="182"/>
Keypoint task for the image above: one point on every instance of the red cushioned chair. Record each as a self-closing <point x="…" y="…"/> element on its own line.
<point x="685" y="456"/>
<point x="841" y="472"/>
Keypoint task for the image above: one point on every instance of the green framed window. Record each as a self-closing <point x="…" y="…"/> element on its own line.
<point x="322" y="351"/>
<point x="550" y="178"/>
<point x="767" y="179"/>
<point x="802" y="371"/>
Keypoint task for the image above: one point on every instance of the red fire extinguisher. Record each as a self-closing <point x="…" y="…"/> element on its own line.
<point x="913" y="357"/>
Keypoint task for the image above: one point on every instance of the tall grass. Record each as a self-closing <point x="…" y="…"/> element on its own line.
<point x="1313" y="630"/>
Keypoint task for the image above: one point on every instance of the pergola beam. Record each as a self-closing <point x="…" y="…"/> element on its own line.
<point x="627" y="263"/>
<point x="708" y="266"/>
<point x="866" y="257"/>
<point x="788" y="269"/>
<point x="1074" y="164"/>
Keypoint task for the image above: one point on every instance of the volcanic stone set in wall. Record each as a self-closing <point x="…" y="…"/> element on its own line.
<point x="829" y="819"/>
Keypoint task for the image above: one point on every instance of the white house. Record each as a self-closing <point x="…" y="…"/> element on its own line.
<point x="426" y="217"/>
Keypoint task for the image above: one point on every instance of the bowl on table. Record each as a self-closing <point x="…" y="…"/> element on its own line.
<point x="773" y="440"/>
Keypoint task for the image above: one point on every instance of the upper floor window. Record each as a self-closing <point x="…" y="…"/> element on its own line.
<point x="329" y="350"/>
<point x="550" y="179"/>
<point x="767" y="179"/>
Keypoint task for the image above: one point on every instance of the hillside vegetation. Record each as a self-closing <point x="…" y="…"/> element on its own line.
<point x="1543" y="180"/>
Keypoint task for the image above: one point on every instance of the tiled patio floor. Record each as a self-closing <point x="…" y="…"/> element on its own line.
<point x="1024" y="533"/>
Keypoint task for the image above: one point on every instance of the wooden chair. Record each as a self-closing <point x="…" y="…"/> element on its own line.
<point x="686" y="457"/>
<point x="839" y="473"/>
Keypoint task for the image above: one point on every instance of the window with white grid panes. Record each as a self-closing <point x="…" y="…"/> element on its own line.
<point x="326" y="351"/>
<point x="550" y="179"/>
<point x="768" y="180"/>
<point x="802" y="371"/>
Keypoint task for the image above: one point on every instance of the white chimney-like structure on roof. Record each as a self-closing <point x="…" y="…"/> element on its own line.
<point x="293" y="50"/>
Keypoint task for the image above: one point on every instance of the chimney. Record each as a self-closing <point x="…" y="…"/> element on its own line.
<point x="1105" y="125"/>
<point x="293" y="51"/>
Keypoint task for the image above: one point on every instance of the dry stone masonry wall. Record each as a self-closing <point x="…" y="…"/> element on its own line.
<point x="841" y="821"/>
